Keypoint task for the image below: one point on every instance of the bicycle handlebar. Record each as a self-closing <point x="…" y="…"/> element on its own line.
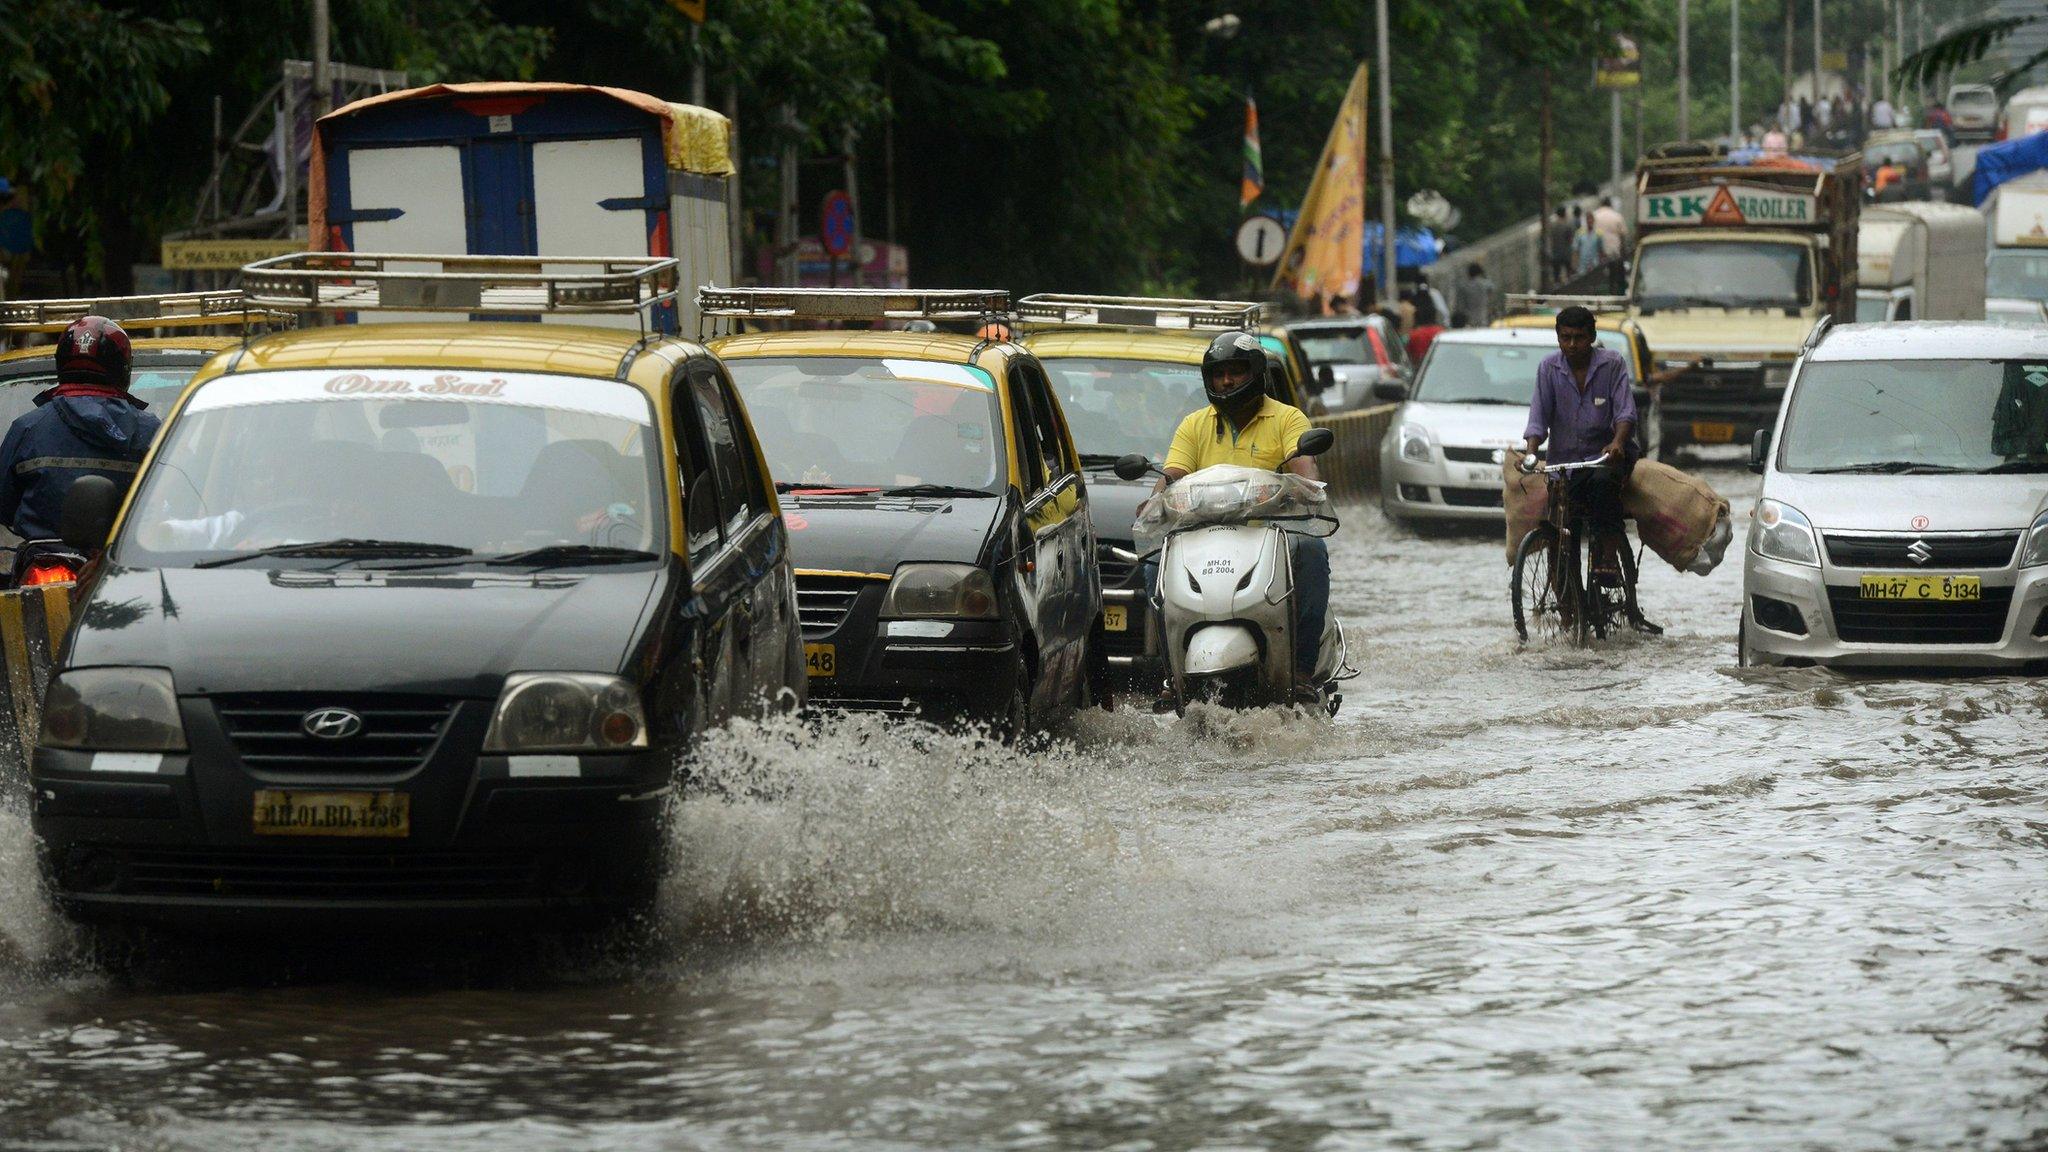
<point x="1529" y="465"/>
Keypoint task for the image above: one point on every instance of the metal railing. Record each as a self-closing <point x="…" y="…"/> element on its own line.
<point x="1049" y="308"/>
<point x="230" y="308"/>
<point x="851" y="303"/>
<point x="1352" y="465"/>
<point x="414" y="282"/>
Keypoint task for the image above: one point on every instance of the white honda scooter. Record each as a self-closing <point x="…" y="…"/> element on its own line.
<point x="1225" y="595"/>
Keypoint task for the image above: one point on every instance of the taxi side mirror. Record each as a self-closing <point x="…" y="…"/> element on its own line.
<point x="1314" y="442"/>
<point x="1759" y="450"/>
<point x="1132" y="467"/>
<point x="1326" y="378"/>
<point x="87" y="515"/>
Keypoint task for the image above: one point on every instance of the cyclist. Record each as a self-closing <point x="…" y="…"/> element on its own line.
<point x="1242" y="425"/>
<point x="1585" y="405"/>
<point x="88" y="425"/>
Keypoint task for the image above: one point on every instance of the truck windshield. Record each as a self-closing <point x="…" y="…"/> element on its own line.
<point x="1723" y="274"/>
<point x="1919" y="416"/>
<point x="1116" y="407"/>
<point x="844" y="422"/>
<point x="455" y="463"/>
<point x="2021" y="274"/>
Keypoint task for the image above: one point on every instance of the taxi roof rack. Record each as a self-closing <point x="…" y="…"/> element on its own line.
<point x="1054" y="308"/>
<point x="851" y="303"/>
<point x="1535" y="302"/>
<point x="422" y="282"/>
<point x="226" y="308"/>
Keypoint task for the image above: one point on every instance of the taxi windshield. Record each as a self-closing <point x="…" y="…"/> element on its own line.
<point x="848" y="422"/>
<point x="486" y="463"/>
<point x="156" y="387"/>
<point x="1919" y="416"/>
<point x="1117" y="407"/>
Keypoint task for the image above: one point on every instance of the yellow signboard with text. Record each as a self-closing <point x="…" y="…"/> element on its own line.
<point x="223" y="255"/>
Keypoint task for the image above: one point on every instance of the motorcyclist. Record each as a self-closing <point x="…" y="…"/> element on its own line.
<point x="1242" y="425"/>
<point x="1585" y="406"/>
<point x="88" y="425"/>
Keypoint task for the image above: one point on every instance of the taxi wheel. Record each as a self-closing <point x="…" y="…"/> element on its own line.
<point x="1016" y="717"/>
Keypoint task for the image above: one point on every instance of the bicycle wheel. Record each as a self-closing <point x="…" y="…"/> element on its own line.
<point x="1533" y="590"/>
<point x="1572" y="593"/>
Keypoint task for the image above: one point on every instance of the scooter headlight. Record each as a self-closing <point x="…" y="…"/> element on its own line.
<point x="1781" y="532"/>
<point x="1415" y="443"/>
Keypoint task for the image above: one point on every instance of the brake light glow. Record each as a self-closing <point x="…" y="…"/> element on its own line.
<point x="48" y="572"/>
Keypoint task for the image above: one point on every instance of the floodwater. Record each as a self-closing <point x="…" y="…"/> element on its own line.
<point x="1627" y="897"/>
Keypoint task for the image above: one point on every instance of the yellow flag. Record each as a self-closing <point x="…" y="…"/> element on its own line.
<point x="1325" y="254"/>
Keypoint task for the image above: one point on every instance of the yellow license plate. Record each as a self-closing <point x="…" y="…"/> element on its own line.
<point x="821" y="660"/>
<point x="1116" y="618"/>
<point x="1920" y="587"/>
<point x="1706" y="433"/>
<point x="384" y="815"/>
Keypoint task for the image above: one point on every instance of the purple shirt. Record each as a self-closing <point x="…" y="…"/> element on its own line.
<point x="1580" y="424"/>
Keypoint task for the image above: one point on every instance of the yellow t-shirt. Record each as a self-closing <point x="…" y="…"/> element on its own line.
<point x="1263" y="442"/>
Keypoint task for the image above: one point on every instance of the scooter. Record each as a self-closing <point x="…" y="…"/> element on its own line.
<point x="1225" y="593"/>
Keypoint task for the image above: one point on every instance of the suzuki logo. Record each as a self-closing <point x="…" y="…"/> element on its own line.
<point x="1920" y="552"/>
<point x="331" y="724"/>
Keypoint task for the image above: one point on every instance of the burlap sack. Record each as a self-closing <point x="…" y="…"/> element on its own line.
<point x="1674" y="512"/>
<point x="1526" y="498"/>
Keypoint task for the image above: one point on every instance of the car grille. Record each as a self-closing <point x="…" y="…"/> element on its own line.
<point x="1116" y="571"/>
<point x="465" y="875"/>
<point x="1919" y="621"/>
<point x="1473" y="455"/>
<point x="399" y="732"/>
<point x="1943" y="551"/>
<point x="822" y="602"/>
<point x="1472" y="497"/>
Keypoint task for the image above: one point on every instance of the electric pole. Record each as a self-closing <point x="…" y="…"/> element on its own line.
<point x="1684" y="71"/>
<point x="1388" y="294"/>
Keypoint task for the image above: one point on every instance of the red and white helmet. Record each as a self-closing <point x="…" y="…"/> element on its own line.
<point x="93" y="350"/>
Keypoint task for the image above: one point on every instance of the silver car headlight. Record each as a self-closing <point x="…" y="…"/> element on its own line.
<point x="2034" y="547"/>
<point x="113" y="710"/>
<point x="958" y="590"/>
<point x="1414" y="443"/>
<point x="1782" y="532"/>
<point x="566" y="712"/>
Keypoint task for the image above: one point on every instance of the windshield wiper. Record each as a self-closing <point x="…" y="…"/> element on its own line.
<point x="796" y="486"/>
<point x="935" y="490"/>
<point x="1475" y="400"/>
<point x="1098" y="459"/>
<point x="347" y="547"/>
<point x="1890" y="468"/>
<point x="562" y="555"/>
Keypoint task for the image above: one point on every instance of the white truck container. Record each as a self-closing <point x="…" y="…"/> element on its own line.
<point x="1919" y="260"/>
<point x="2016" y="215"/>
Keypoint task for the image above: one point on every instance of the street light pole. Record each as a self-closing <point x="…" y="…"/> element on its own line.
<point x="1816" y="52"/>
<point x="1387" y="292"/>
<point x="1735" y="68"/>
<point x="1684" y="71"/>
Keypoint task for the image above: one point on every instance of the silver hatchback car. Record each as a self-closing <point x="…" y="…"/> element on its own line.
<point x="1904" y="514"/>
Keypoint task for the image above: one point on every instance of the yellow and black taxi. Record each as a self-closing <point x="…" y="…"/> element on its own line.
<point x="1126" y="370"/>
<point x="414" y="620"/>
<point x="936" y="505"/>
<point x="172" y="335"/>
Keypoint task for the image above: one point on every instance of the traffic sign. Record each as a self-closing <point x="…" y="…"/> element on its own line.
<point x="1260" y="240"/>
<point x="835" y="225"/>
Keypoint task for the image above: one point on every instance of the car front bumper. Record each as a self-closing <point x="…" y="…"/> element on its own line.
<point x="1774" y="590"/>
<point x="1441" y="489"/>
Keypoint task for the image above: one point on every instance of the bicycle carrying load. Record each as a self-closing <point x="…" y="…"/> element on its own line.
<point x="1679" y="517"/>
<point x="1235" y="494"/>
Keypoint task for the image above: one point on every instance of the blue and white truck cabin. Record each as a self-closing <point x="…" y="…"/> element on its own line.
<point x="529" y="170"/>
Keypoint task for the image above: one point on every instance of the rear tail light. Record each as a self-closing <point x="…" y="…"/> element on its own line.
<point x="45" y="572"/>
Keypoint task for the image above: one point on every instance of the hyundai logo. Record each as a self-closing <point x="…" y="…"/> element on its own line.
<point x="331" y="724"/>
<point x="1919" y="552"/>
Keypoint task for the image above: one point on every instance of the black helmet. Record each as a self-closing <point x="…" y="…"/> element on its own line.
<point x="1234" y="348"/>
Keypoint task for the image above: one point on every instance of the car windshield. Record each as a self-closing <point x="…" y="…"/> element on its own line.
<point x="1117" y="407"/>
<point x="156" y="387"/>
<point x="2021" y="274"/>
<point x="1974" y="101"/>
<point x="845" y="422"/>
<point x="1897" y="152"/>
<point x="1334" y="345"/>
<point x="1872" y="309"/>
<point x="490" y="463"/>
<point x="1919" y="415"/>
<point x="1723" y="274"/>
<point x="1461" y="372"/>
<point x="2018" y="314"/>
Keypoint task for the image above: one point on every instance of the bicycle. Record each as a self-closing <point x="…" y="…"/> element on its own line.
<point x="1550" y="592"/>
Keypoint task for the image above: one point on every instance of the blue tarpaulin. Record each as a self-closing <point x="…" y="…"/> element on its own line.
<point x="1998" y="163"/>
<point x="1413" y="248"/>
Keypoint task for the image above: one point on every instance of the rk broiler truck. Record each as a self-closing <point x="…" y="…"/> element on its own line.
<point x="1738" y="255"/>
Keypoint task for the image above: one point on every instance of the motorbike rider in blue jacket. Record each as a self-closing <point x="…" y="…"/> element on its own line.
<point x="88" y="425"/>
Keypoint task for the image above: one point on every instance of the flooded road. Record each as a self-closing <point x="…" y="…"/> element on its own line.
<point x="1627" y="897"/>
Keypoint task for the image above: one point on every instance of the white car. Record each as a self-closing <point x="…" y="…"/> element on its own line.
<point x="1904" y="514"/>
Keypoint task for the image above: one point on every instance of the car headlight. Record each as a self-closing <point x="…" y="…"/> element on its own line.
<point x="940" y="590"/>
<point x="1782" y="532"/>
<point x="566" y="712"/>
<point x="2034" y="548"/>
<point x="1415" y="443"/>
<point x="113" y="710"/>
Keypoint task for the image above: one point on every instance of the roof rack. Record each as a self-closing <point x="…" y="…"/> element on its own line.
<point x="850" y="303"/>
<point x="1139" y="312"/>
<point x="1535" y="302"/>
<point x="230" y="308"/>
<point x="415" y="282"/>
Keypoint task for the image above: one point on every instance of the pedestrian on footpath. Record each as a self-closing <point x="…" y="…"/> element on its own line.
<point x="1612" y="228"/>
<point x="1473" y="297"/>
<point x="1557" y="245"/>
<point x="1585" y="248"/>
<point x="1882" y="116"/>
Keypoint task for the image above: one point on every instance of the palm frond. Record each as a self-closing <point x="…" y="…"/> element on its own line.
<point x="2013" y="77"/>
<point x="1957" y="49"/>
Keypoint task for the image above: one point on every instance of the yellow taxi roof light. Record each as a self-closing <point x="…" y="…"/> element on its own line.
<point x="227" y="308"/>
<point x="1139" y="312"/>
<point x="414" y="282"/>
<point x="851" y="303"/>
<point x="1541" y="302"/>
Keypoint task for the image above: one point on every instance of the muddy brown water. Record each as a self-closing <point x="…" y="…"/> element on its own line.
<point x="1625" y="897"/>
